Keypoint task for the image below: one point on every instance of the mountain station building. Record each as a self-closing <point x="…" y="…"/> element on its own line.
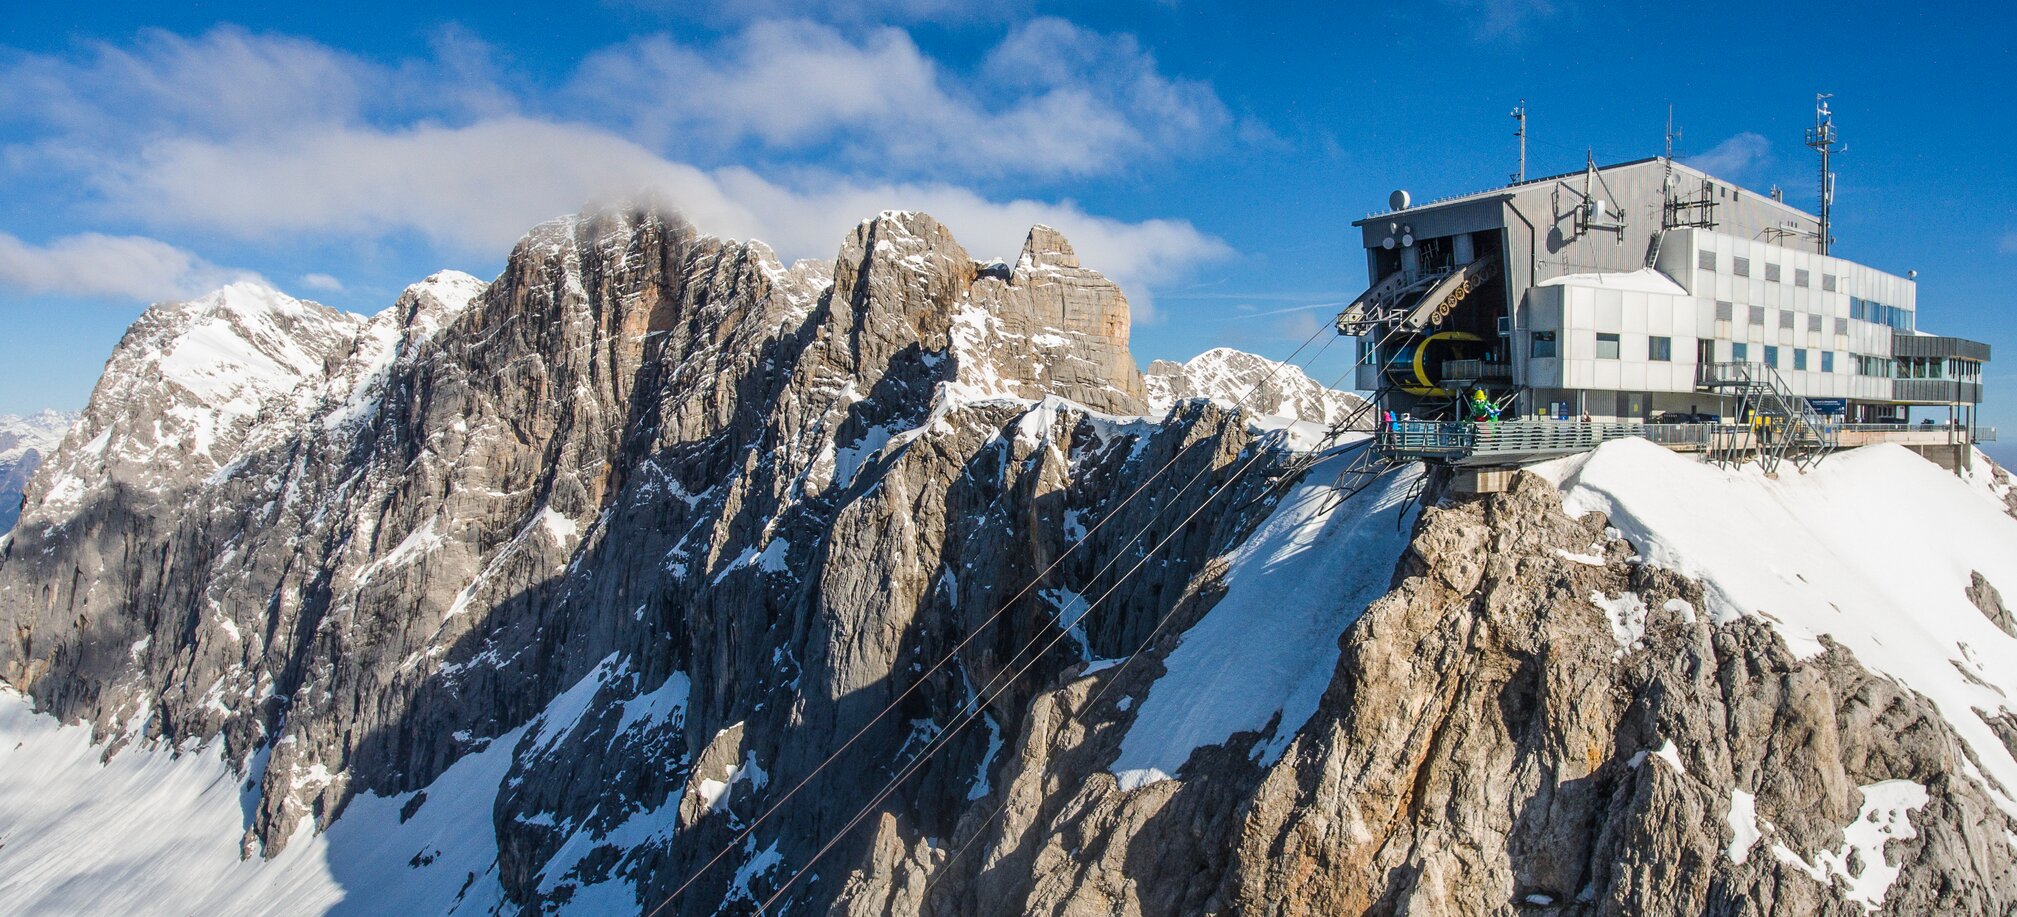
<point x="1626" y="292"/>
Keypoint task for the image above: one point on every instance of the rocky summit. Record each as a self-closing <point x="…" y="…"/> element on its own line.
<point x="658" y="576"/>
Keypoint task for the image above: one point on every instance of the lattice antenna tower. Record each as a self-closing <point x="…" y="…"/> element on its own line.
<point x="1822" y="139"/>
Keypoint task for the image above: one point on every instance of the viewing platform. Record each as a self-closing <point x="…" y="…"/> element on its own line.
<point x="1517" y="442"/>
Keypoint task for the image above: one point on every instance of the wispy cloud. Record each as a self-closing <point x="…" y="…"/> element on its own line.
<point x="1737" y="158"/>
<point x="322" y="282"/>
<point x="1502" y="19"/>
<point x="1050" y="99"/>
<point x="238" y="135"/>
<point x="95" y="265"/>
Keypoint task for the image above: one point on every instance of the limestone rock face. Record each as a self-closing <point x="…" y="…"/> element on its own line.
<point x="1487" y="746"/>
<point x="672" y="522"/>
<point x="1256" y="384"/>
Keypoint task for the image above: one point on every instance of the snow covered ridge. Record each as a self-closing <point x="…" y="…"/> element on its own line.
<point x="196" y="384"/>
<point x="1260" y="385"/>
<point x="1876" y="550"/>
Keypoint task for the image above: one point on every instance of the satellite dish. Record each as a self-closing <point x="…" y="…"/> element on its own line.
<point x="1398" y="200"/>
<point x="1408" y="239"/>
<point x="1387" y="243"/>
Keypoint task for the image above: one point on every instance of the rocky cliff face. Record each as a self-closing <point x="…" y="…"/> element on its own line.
<point x="649" y="525"/>
<point x="23" y="443"/>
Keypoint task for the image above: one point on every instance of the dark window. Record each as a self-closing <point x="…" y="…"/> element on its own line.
<point x="1828" y="282"/>
<point x="1786" y="320"/>
<point x="1800" y="278"/>
<point x="1757" y="315"/>
<point x="1799" y="358"/>
<point x="1660" y="348"/>
<point x="1706" y="260"/>
<point x="1771" y="356"/>
<point x="1724" y="310"/>
<point x="1827" y="361"/>
<point x="1607" y="346"/>
<point x="1740" y="352"/>
<point x="1740" y="267"/>
<point x="1772" y="273"/>
<point x="1814" y="323"/>
<point x="1544" y="345"/>
<point x="1841" y="326"/>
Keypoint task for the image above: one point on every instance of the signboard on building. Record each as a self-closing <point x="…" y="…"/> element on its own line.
<point x="1829" y="405"/>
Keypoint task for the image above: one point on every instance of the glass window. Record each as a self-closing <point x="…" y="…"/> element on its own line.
<point x="1740" y="352"/>
<point x="1827" y="361"/>
<point x="1786" y="320"/>
<point x="1724" y="309"/>
<point x="1828" y="282"/>
<point x="1544" y="345"/>
<point x="1841" y="326"/>
<point x="1740" y="267"/>
<point x="1814" y="323"/>
<point x="1799" y="358"/>
<point x="1772" y="273"/>
<point x="1706" y="260"/>
<point x="1800" y="277"/>
<point x="1660" y="348"/>
<point x="1757" y="315"/>
<point x="1607" y="346"/>
<point x="1771" y="356"/>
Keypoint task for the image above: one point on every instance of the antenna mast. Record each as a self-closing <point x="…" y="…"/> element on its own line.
<point x="1821" y="138"/>
<point x="1520" y="115"/>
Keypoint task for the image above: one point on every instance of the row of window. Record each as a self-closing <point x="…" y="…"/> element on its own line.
<point x="1741" y="267"/>
<point x="1938" y="368"/>
<point x="1872" y="311"/>
<point x="1660" y="349"/>
<point x="1727" y="311"/>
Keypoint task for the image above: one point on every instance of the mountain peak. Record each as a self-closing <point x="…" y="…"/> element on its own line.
<point x="1235" y="378"/>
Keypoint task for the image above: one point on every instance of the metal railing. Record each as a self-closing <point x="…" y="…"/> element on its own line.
<point x="1460" y="442"/>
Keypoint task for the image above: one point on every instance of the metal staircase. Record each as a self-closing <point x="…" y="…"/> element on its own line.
<point x="1772" y="423"/>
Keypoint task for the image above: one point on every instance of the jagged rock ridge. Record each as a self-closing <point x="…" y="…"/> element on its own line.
<point x="642" y="529"/>
<point x="1238" y="379"/>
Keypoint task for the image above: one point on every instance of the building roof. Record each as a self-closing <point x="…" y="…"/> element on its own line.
<point x="1514" y="187"/>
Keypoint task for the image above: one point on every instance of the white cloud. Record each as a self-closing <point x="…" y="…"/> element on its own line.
<point x="1735" y="158"/>
<point x="472" y="189"/>
<point x="311" y="143"/>
<point x="476" y="189"/>
<point x="322" y="282"/>
<point x="1052" y="98"/>
<point x="91" y="264"/>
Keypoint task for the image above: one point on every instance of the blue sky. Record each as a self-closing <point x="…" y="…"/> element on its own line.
<point x="1208" y="156"/>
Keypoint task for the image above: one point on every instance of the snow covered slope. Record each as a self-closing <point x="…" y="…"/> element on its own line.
<point x="153" y="831"/>
<point x="1876" y="549"/>
<point x="24" y="443"/>
<point x="1269" y="646"/>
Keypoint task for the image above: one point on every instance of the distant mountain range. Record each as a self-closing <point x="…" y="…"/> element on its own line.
<point x="24" y="443"/>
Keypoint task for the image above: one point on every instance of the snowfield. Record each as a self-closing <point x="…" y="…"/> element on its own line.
<point x="151" y="831"/>
<point x="1873" y="549"/>
<point x="1270" y="646"/>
